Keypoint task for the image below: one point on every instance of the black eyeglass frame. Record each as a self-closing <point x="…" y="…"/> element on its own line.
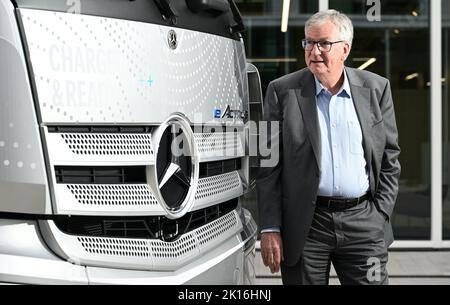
<point x="307" y="42"/>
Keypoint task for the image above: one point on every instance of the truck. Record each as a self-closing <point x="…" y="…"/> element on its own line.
<point x="124" y="142"/>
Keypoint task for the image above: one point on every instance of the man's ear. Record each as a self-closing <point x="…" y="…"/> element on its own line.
<point x="347" y="49"/>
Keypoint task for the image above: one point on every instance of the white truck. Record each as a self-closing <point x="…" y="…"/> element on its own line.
<point x="124" y="142"/>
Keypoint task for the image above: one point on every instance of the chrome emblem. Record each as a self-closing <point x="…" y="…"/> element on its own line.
<point x="176" y="170"/>
<point x="172" y="39"/>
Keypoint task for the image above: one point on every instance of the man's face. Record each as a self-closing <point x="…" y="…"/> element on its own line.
<point x="321" y="63"/>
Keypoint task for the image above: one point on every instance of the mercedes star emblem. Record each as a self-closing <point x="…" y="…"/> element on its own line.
<point x="172" y="39"/>
<point x="176" y="169"/>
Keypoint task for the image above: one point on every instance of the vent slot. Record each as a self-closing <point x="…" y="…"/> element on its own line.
<point x="150" y="227"/>
<point x="100" y="175"/>
<point x="112" y="195"/>
<point x="204" y="128"/>
<point x="115" y="247"/>
<point x="213" y="231"/>
<point x="99" y="129"/>
<point x="216" y="185"/>
<point x="182" y="248"/>
<point x="201" y="217"/>
<point x="208" y="169"/>
<point x="108" y="144"/>
<point x="216" y="142"/>
<point x="110" y="227"/>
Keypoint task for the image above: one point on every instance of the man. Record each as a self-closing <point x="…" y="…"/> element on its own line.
<point x="331" y="195"/>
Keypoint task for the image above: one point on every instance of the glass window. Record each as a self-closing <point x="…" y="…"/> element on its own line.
<point x="387" y="7"/>
<point x="397" y="48"/>
<point x="274" y="7"/>
<point x="258" y="7"/>
<point x="446" y="117"/>
<point x="274" y="53"/>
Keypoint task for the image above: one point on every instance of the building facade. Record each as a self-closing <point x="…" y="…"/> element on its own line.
<point x="406" y="41"/>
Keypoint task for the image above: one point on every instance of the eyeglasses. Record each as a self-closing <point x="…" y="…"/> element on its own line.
<point x="324" y="46"/>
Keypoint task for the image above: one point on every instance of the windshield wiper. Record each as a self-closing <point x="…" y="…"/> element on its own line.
<point x="167" y="11"/>
<point x="215" y="7"/>
<point x="239" y="26"/>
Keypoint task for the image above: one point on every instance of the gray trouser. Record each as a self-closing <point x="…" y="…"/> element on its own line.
<point x="352" y="239"/>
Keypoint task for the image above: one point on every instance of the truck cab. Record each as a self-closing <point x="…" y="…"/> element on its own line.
<point x="124" y="143"/>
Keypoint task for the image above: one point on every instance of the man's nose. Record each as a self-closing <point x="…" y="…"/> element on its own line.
<point x="316" y="49"/>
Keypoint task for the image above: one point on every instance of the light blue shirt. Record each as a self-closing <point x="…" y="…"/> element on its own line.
<point x="342" y="163"/>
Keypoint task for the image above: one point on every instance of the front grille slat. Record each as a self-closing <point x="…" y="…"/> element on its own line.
<point x="100" y="129"/>
<point x="100" y="174"/>
<point x="208" y="169"/>
<point x="140" y="227"/>
<point x="131" y="174"/>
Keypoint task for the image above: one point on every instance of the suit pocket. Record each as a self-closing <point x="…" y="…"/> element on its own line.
<point x="377" y="123"/>
<point x="378" y="216"/>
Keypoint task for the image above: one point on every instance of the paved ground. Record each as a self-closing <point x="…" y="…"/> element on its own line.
<point x="405" y="268"/>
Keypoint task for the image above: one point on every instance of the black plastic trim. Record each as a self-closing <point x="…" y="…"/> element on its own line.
<point x="149" y="227"/>
<point x="100" y="174"/>
<point x="215" y="168"/>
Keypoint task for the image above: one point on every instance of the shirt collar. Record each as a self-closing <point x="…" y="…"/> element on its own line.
<point x="345" y="89"/>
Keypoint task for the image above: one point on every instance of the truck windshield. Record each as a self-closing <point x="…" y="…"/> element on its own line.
<point x="219" y="17"/>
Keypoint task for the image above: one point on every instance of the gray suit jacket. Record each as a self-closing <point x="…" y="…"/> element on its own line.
<point x="287" y="192"/>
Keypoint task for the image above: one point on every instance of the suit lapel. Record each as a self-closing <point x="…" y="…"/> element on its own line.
<point x="361" y="100"/>
<point x="306" y="99"/>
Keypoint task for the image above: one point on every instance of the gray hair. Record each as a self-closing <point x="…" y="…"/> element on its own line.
<point x="339" y="19"/>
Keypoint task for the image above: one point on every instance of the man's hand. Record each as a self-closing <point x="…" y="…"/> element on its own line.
<point x="272" y="250"/>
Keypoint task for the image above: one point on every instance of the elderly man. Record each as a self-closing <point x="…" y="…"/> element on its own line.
<point x="330" y="197"/>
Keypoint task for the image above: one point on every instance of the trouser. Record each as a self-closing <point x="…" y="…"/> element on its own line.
<point x="352" y="239"/>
